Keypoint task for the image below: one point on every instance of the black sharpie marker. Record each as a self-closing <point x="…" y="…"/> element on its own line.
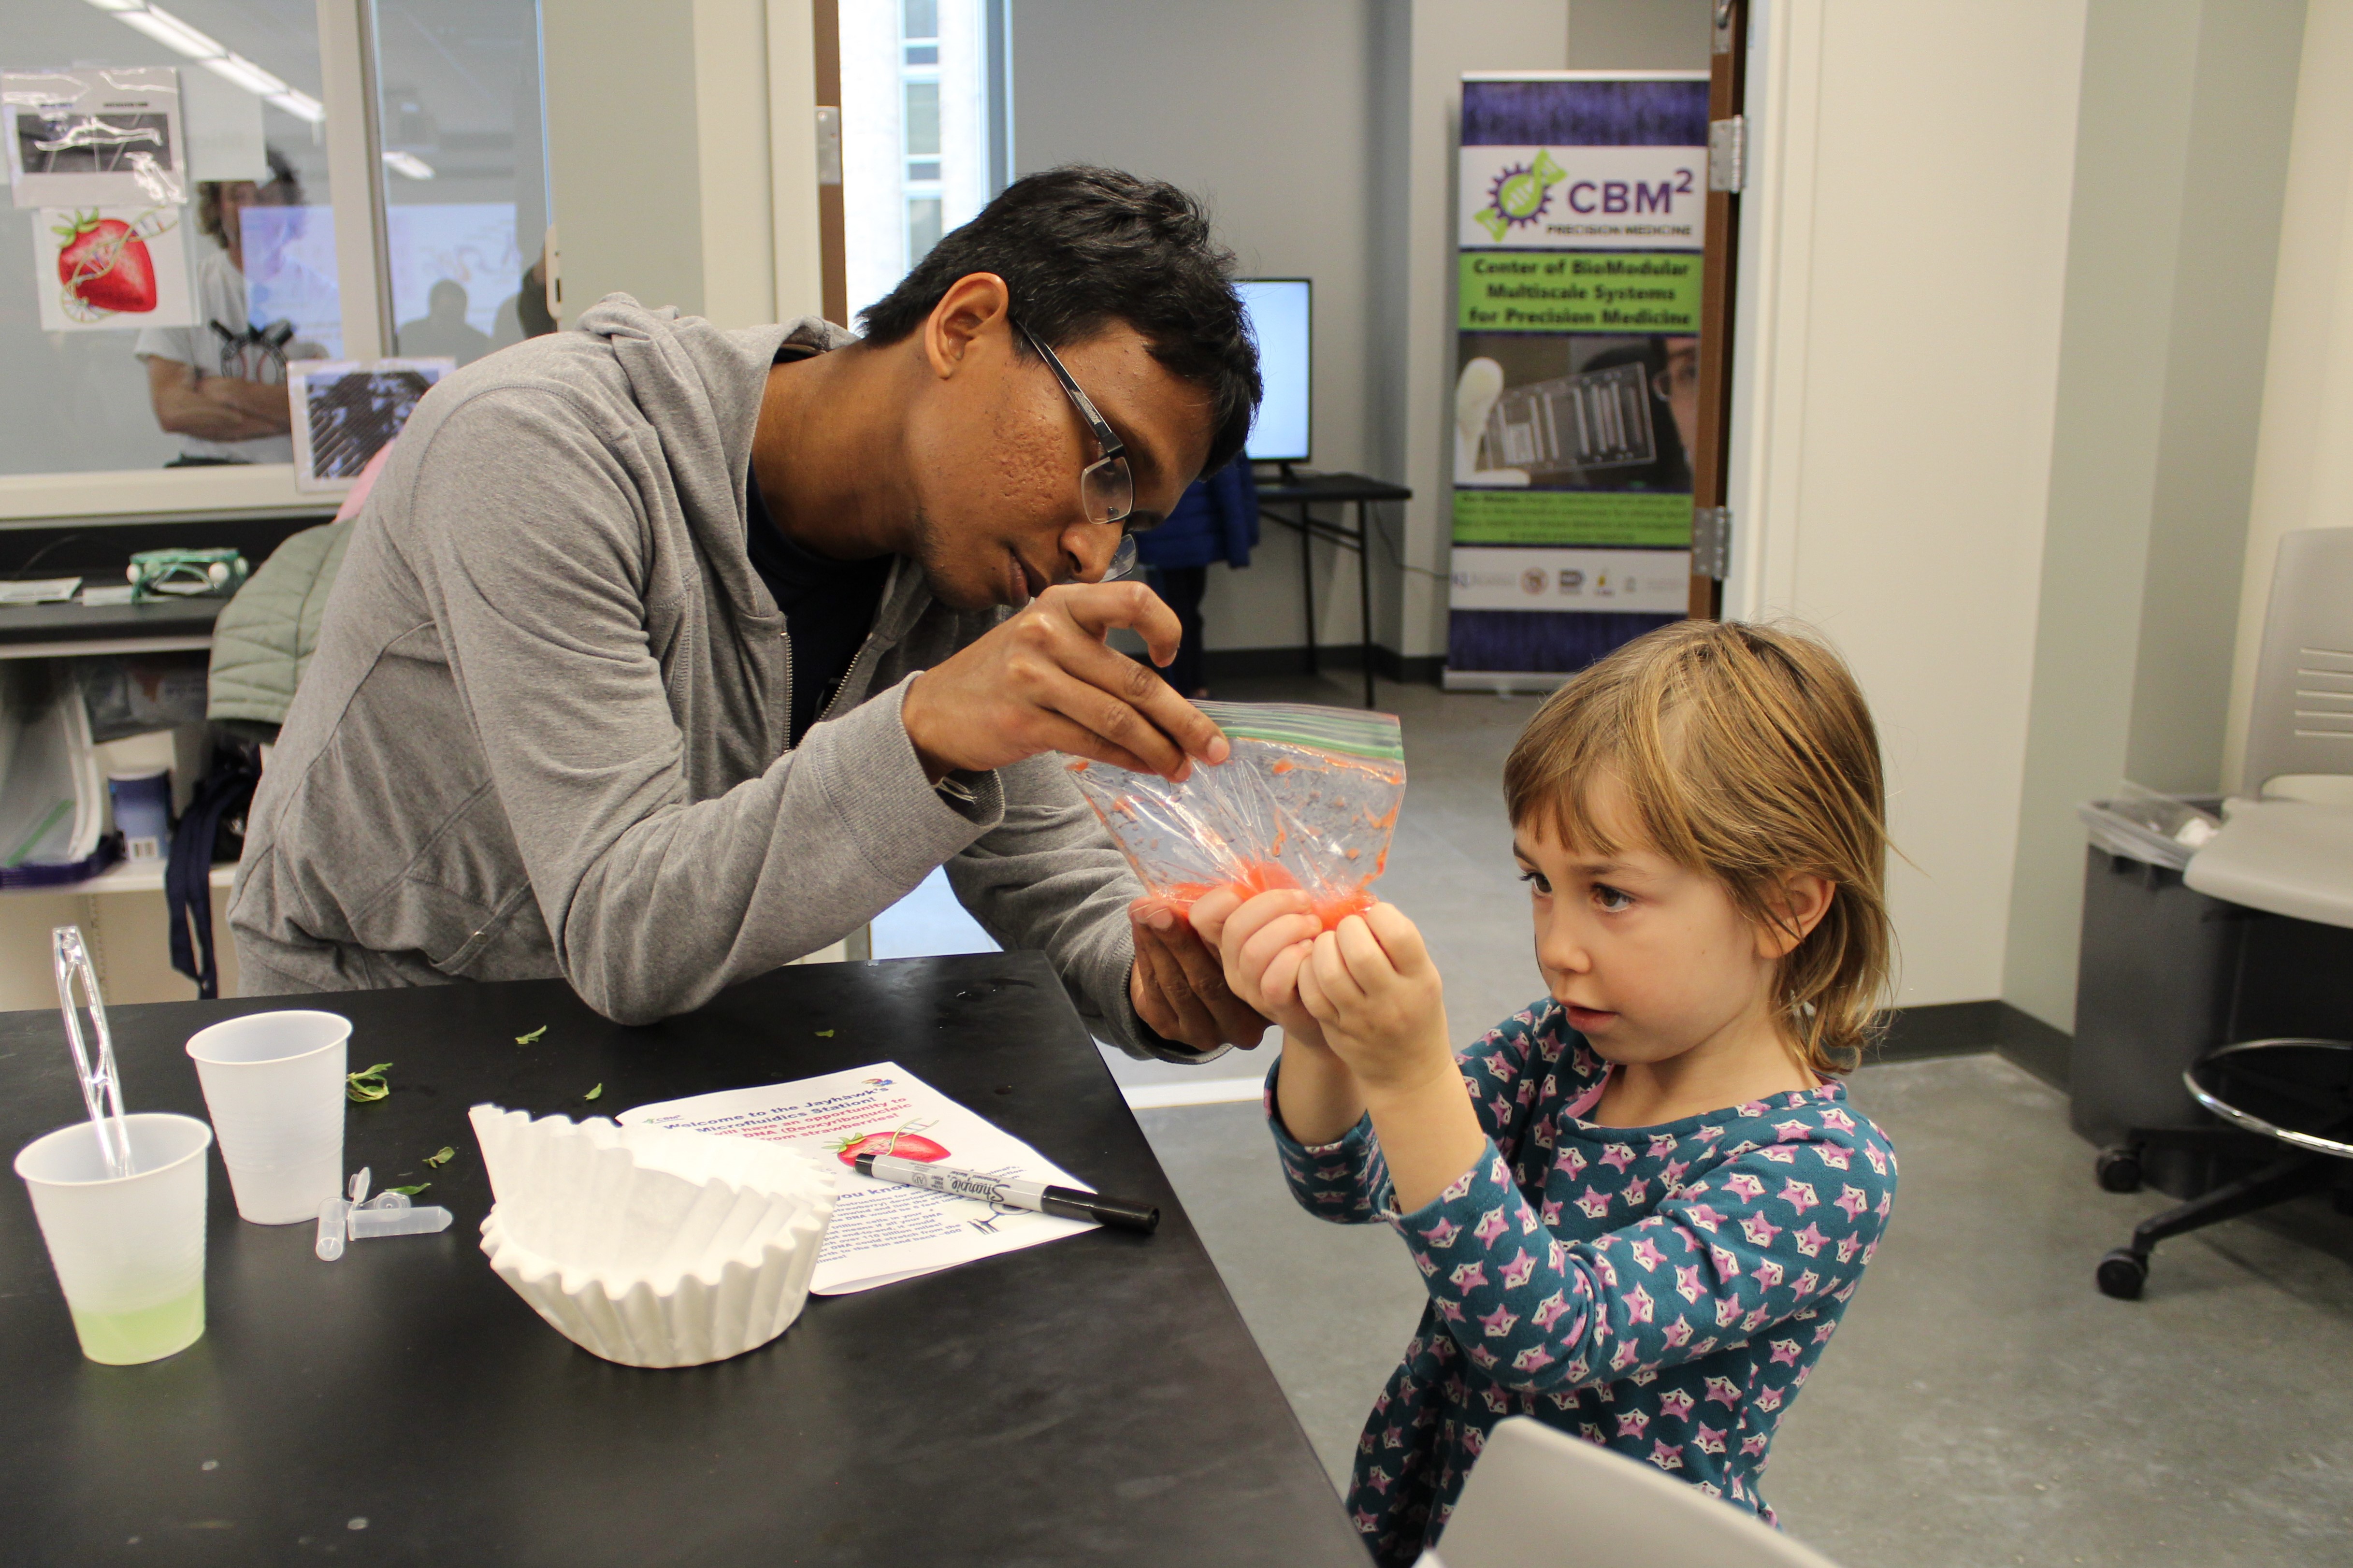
<point x="1015" y="1193"/>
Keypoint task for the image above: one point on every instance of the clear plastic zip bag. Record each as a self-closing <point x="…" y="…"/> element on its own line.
<point x="1308" y="800"/>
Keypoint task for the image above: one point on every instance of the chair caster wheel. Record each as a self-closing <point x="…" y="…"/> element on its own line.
<point x="2118" y="1170"/>
<point x="2121" y="1274"/>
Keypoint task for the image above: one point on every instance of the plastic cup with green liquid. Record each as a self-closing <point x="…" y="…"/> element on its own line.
<point x="128" y="1251"/>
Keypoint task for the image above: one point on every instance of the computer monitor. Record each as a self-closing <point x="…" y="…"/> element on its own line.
<point x="1279" y="313"/>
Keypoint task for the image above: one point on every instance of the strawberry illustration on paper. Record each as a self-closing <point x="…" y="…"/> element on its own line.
<point x="104" y="268"/>
<point x="905" y="1144"/>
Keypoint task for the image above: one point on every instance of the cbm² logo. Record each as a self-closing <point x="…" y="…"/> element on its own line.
<point x="1522" y="194"/>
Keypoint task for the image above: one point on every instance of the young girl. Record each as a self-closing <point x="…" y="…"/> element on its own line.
<point x="1647" y="1215"/>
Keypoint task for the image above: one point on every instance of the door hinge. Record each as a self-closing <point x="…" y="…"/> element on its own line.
<point x="1711" y="547"/>
<point x="1727" y="154"/>
<point x="828" y="145"/>
<point x="1722" y="29"/>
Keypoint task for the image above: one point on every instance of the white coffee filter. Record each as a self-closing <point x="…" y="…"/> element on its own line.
<point x="651" y="1245"/>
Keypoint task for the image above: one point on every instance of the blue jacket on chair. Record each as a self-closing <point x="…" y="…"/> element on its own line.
<point x="1215" y="519"/>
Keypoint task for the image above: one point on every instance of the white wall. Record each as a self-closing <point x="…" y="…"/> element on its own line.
<point x="2304" y="457"/>
<point x="1909" y="221"/>
<point x="1320" y="132"/>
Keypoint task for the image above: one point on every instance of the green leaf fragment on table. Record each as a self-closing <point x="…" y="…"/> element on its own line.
<point x="368" y="1084"/>
<point x="532" y="1038"/>
<point x="409" y="1191"/>
<point x="594" y="1092"/>
<point x="438" y="1160"/>
<point x="825" y="1034"/>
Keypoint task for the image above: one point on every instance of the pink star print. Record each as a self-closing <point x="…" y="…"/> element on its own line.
<point x="1847" y="1247"/>
<point x="1594" y="1205"/>
<point x="1551" y="1211"/>
<point x="1810" y="1240"/>
<point x="1571" y="1163"/>
<point x="1766" y="1270"/>
<point x="1379" y="1480"/>
<point x="1517" y="1271"/>
<point x="1533" y="1359"/>
<point x="1703" y="1215"/>
<point x="1639" y="1305"/>
<point x="1798" y="1195"/>
<point x="1623" y="1356"/>
<point x="1467" y="1277"/>
<point x="1551" y="1309"/>
<point x="1855" y="1200"/>
<point x="1687" y="1283"/>
<point x="1806" y="1282"/>
<point x="1724" y="1392"/>
<point x="1678" y="1333"/>
<point x="1676" y="1403"/>
<point x="1832" y="1156"/>
<point x="1785" y="1351"/>
<point x="1666" y="1455"/>
<point x="1754" y="1321"/>
<point x="1619" y="1156"/>
<point x="1709" y="1441"/>
<point x="1780" y="1154"/>
<point x="1759" y="1230"/>
<point x="1752" y="1447"/>
<point x="1442" y="1233"/>
<point x="1631" y="1423"/>
<point x="1490" y="1227"/>
<point x="1878" y="1161"/>
<point x="1646" y="1253"/>
<point x="1450" y="1311"/>
<point x="1499" y="1322"/>
<point x="1483" y="1358"/>
<point x="1790" y="1132"/>
<point x="1740" y="1183"/>
<point x="1834" y="1117"/>
<point x="1726" y="1311"/>
<point x="1637" y="1191"/>
<point x="1661" y="1145"/>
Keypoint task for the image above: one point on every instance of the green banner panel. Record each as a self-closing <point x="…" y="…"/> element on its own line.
<point x="1572" y="517"/>
<point x="1579" y="291"/>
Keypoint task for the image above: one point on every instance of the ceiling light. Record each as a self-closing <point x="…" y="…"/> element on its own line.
<point x="173" y="33"/>
<point x="408" y="163"/>
<point x="301" y="105"/>
<point x="118" y="5"/>
<point x="246" y="74"/>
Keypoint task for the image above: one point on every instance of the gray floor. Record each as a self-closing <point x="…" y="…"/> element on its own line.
<point x="1982" y="1405"/>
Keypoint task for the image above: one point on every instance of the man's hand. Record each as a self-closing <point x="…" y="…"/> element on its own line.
<point x="1046" y="681"/>
<point x="1179" y="988"/>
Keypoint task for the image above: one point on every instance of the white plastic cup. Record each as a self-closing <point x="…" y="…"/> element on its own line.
<point x="128" y="1251"/>
<point x="274" y="1083"/>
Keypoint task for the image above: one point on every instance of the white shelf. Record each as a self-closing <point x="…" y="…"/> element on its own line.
<point x="127" y="876"/>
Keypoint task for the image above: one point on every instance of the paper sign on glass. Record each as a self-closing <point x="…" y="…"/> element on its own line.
<point x="94" y="137"/>
<point x="883" y="1232"/>
<point x="99" y="269"/>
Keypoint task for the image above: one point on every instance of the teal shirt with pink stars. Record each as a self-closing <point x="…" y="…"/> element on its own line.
<point x="1659" y="1291"/>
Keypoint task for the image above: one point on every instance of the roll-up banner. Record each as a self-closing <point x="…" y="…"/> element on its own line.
<point x="1582" y="211"/>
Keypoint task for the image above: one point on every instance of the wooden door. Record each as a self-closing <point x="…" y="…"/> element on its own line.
<point x="1726" y="93"/>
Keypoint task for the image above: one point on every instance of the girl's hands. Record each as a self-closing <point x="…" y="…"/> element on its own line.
<point x="1263" y="945"/>
<point x="1370" y="984"/>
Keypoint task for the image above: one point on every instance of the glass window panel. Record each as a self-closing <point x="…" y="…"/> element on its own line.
<point x="923" y="227"/>
<point x="918" y="173"/>
<point x="93" y="382"/>
<point x="923" y="119"/>
<point x="921" y="18"/>
<point x="466" y="174"/>
<point x="922" y="54"/>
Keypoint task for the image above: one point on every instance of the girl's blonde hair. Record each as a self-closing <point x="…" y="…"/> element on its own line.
<point x="1744" y="753"/>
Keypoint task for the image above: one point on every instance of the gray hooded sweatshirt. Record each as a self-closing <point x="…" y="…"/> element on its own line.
<point x="544" y="732"/>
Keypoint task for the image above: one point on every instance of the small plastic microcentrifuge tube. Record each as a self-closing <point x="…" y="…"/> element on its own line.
<point x="331" y="1222"/>
<point x="412" y="1221"/>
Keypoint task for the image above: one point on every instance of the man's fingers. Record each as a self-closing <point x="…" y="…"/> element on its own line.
<point x="1096" y="607"/>
<point x="1088" y="659"/>
<point x="1235" y="1021"/>
<point x="1188" y="1021"/>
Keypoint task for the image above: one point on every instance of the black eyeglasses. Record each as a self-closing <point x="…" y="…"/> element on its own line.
<point x="1107" y="489"/>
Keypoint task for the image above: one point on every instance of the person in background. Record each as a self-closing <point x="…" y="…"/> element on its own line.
<point x="220" y="385"/>
<point x="525" y="314"/>
<point x="443" y="330"/>
<point x="1644" y="1220"/>
<point x="1215" y="519"/>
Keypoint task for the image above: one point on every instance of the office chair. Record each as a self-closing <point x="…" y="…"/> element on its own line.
<point x="1542" y="1498"/>
<point x="2291" y="858"/>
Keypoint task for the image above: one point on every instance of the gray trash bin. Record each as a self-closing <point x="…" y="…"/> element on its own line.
<point x="2154" y="981"/>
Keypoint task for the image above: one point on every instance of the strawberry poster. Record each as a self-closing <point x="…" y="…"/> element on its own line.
<point x="99" y="269"/>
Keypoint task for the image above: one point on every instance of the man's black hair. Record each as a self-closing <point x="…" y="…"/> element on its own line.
<point x="1081" y="248"/>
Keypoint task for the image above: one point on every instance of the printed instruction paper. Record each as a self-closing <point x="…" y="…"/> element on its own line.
<point x="883" y="1232"/>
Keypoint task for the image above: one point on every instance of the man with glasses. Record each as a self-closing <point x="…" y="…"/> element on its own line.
<point x="661" y="655"/>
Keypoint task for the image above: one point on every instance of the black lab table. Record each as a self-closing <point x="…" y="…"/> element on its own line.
<point x="1095" y="1400"/>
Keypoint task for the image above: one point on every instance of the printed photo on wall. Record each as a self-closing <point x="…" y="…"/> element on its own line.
<point x="99" y="270"/>
<point x="346" y="411"/>
<point x="96" y="138"/>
